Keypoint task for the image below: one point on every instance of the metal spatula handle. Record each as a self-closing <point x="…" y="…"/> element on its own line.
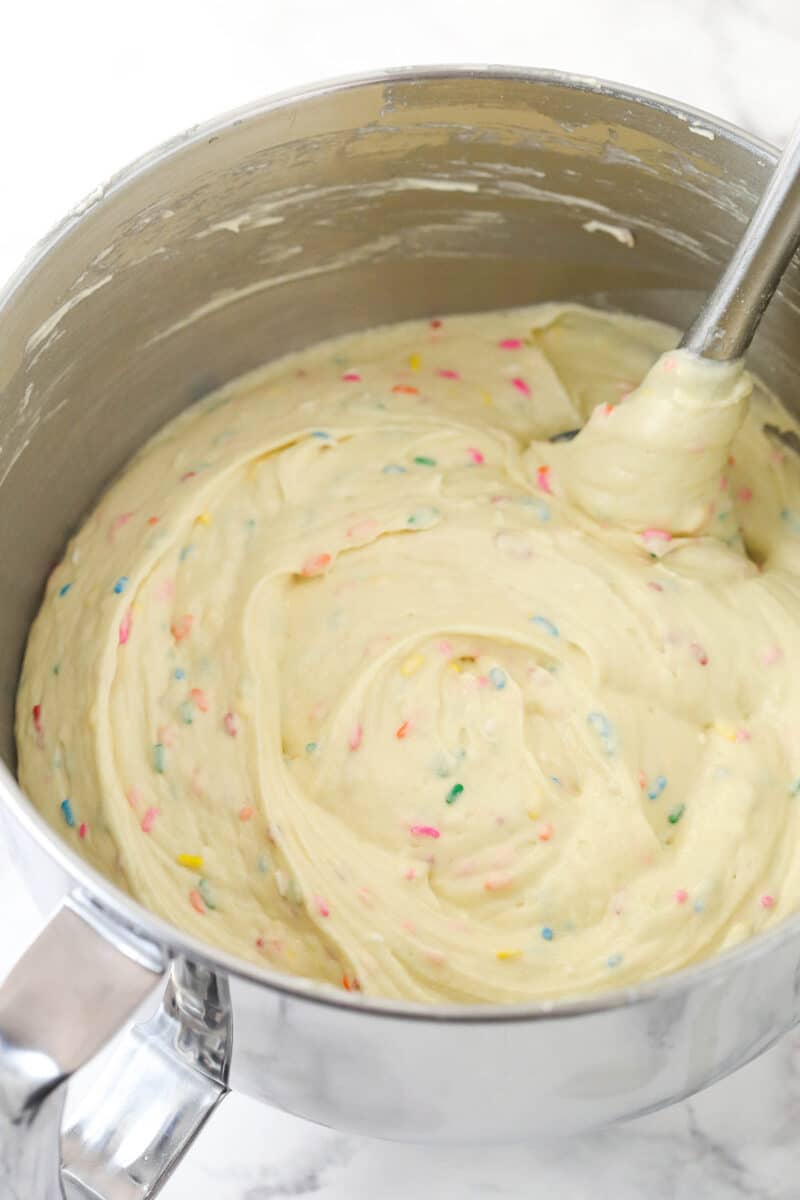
<point x="725" y="325"/>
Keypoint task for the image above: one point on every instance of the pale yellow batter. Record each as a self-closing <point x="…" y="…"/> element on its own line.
<point x="355" y="673"/>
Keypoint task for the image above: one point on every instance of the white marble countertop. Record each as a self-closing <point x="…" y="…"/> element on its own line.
<point x="82" y="91"/>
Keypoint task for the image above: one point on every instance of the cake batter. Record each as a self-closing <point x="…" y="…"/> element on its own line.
<point x="356" y="674"/>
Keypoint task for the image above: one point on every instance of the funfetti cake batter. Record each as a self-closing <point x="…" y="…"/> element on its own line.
<point x="355" y="673"/>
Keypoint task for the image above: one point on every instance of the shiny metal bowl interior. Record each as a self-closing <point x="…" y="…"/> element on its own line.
<point x="358" y="203"/>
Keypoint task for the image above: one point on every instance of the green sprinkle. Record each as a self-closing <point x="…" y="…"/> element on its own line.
<point x="159" y="758"/>
<point x="454" y="793"/>
<point x="311" y="747"/>
<point x="262" y="865"/>
<point x="676" y="814"/>
<point x="57" y="669"/>
<point x="613" y="960"/>
<point x="204" y="888"/>
<point x="187" y="712"/>
<point x="794" y="790"/>
<point x="63" y="590"/>
<point x="423" y="518"/>
<point x="422" y="460"/>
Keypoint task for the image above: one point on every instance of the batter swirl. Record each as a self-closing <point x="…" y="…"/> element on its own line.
<point x="355" y="673"/>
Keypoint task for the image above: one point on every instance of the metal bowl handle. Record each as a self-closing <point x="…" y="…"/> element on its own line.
<point x="70" y="993"/>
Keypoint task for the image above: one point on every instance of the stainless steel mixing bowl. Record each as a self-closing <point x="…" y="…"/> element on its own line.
<point x="347" y="205"/>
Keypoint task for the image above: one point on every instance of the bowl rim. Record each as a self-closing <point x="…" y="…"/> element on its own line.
<point x="94" y="890"/>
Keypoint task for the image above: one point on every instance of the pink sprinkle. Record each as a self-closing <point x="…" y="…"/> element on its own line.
<point x="723" y="483"/>
<point x="321" y="907"/>
<point x="410" y="874"/>
<point x="743" y="735"/>
<point x="356" y="734"/>
<point x="545" y="831"/>
<point x="200" y="699"/>
<point x="446" y="373"/>
<point x="187" y="475"/>
<point x="118" y="524"/>
<point x="351" y="377"/>
<point x="37" y="718"/>
<point x="772" y="655"/>
<point x="446" y="648"/>
<point x="497" y="884"/>
<point x="82" y="830"/>
<point x="476" y="456"/>
<point x="436" y="323"/>
<point x="133" y="796"/>
<point x="681" y="896"/>
<point x="767" y="901"/>
<point x="654" y="587"/>
<point x="362" y="527"/>
<point x="670" y="364"/>
<point x="231" y="723"/>
<point x="642" y="779"/>
<point x="699" y="654"/>
<point x="125" y="627"/>
<point x="424" y="831"/>
<point x="744" y="494"/>
<point x="510" y="343"/>
<point x="543" y="480"/>
<point x="521" y="386"/>
<point x="365" y="896"/>
<point x="148" y="820"/>
<point x="182" y="628"/>
<point x="246" y="813"/>
<point x="316" y="564"/>
<point x="167" y="590"/>
<point x="657" y="535"/>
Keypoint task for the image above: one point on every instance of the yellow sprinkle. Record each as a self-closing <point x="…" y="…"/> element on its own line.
<point x="533" y="814"/>
<point x="509" y="954"/>
<point x="415" y="362"/>
<point x="194" y="862"/>
<point x="454" y="666"/>
<point x="411" y="665"/>
<point x="203" y="519"/>
<point x="725" y="731"/>
<point x="486" y="398"/>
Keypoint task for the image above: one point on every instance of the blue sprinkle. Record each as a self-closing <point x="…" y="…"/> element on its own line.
<point x="546" y="625"/>
<point x="393" y="469"/>
<point x="541" y="509"/>
<point x="613" y="960"/>
<point x="320" y="433"/>
<point x="792" y="519"/>
<point x="555" y="779"/>
<point x="547" y="933"/>
<point x="658" y="785"/>
<point x="600" y="723"/>
<point x="62" y="591"/>
<point x="186" y="551"/>
<point x="69" y="816"/>
<point x="180" y="673"/>
<point x="698" y="906"/>
<point x="121" y="584"/>
<point x="497" y="678"/>
<point x="262" y="864"/>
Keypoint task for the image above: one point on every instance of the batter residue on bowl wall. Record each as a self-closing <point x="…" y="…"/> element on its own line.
<point x="355" y="673"/>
